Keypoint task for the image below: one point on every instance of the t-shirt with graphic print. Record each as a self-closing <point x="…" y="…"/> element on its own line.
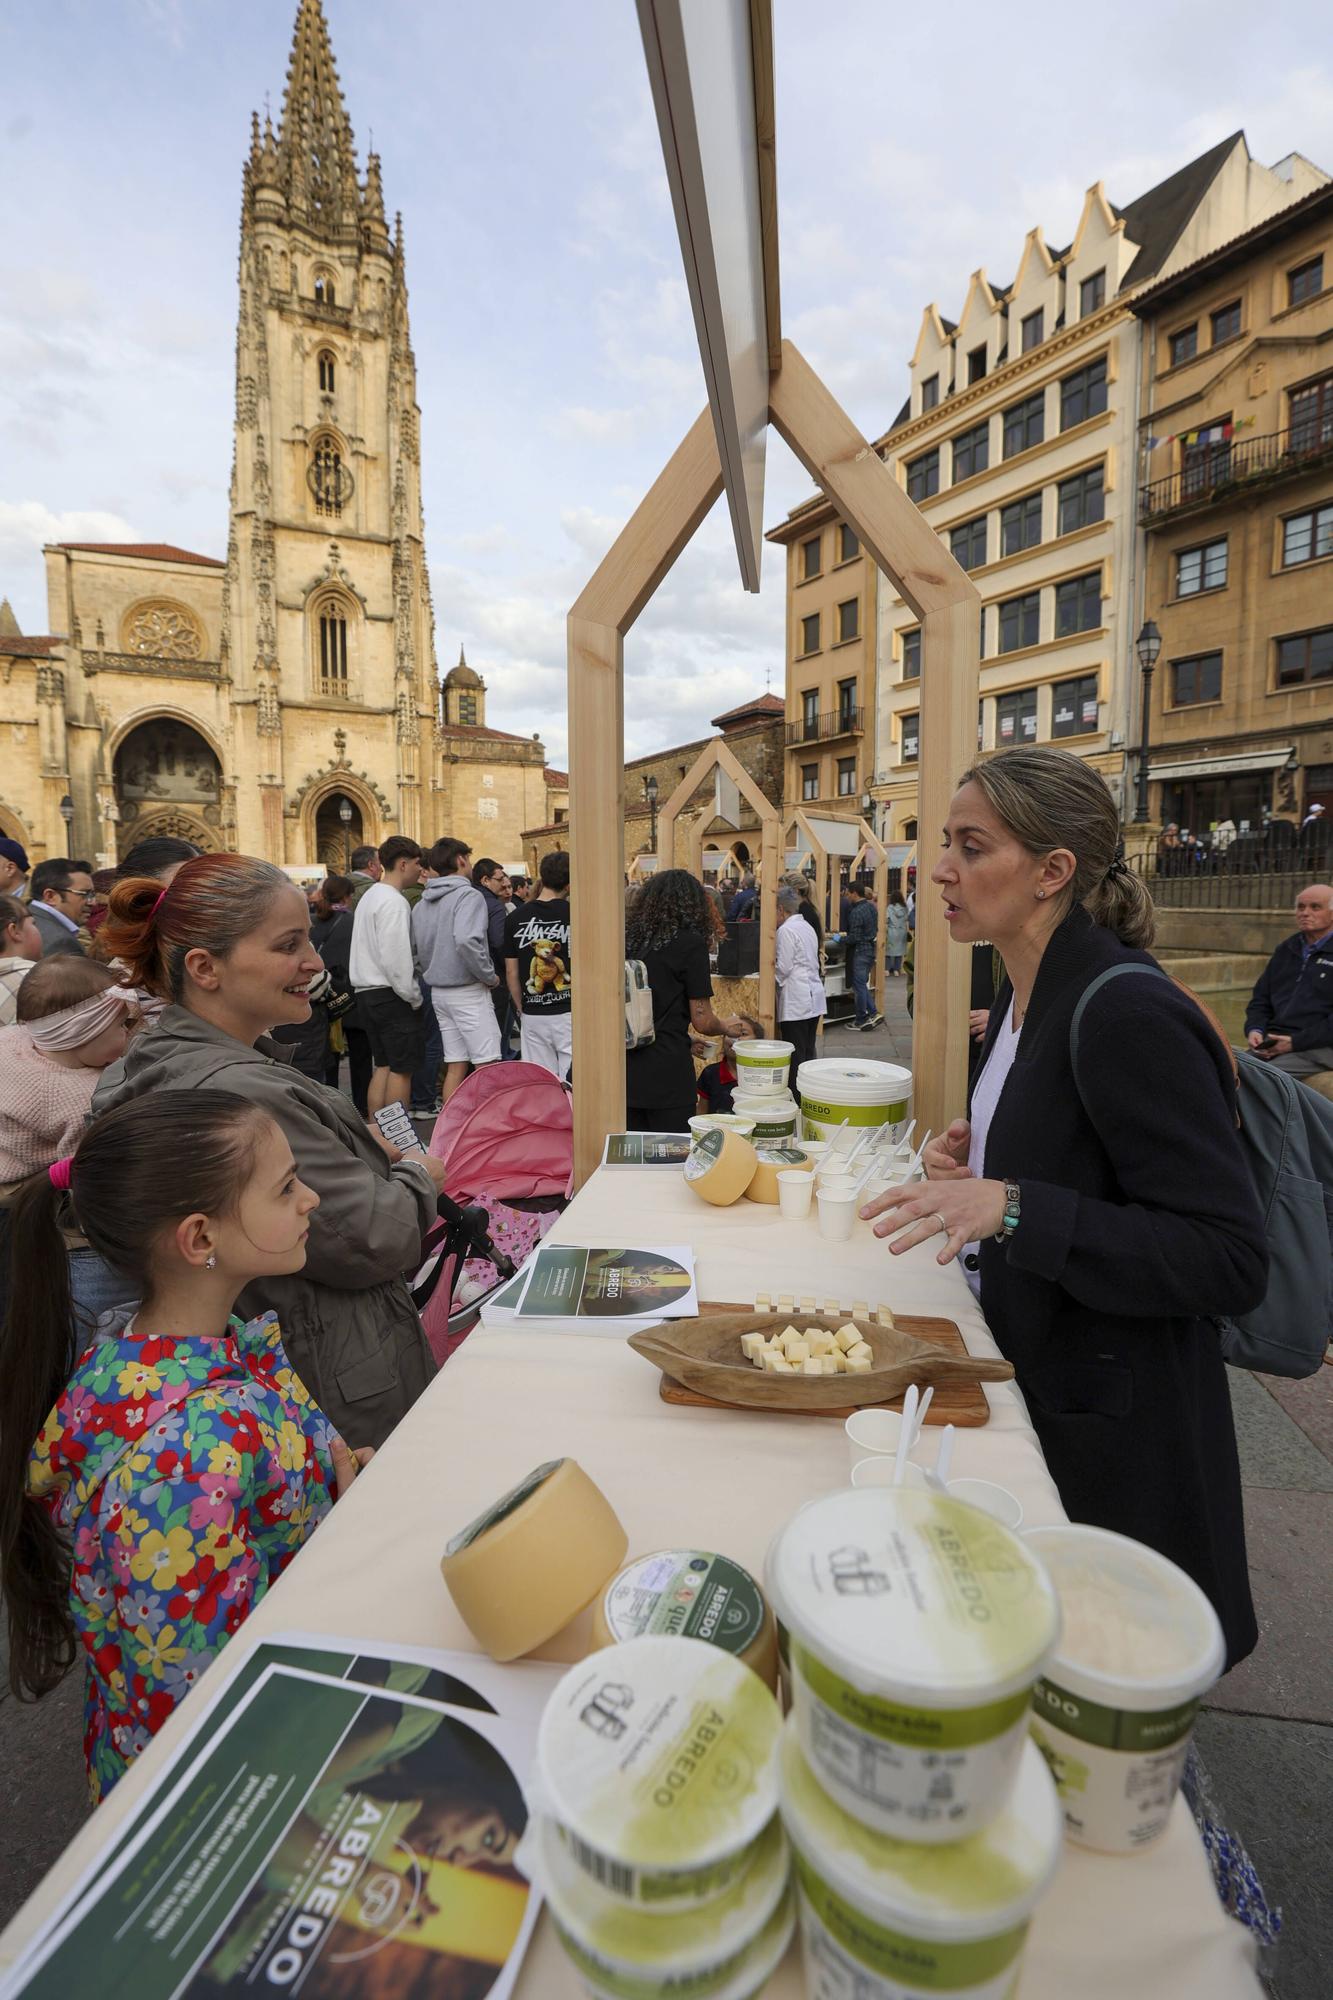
<point x="537" y="935"/>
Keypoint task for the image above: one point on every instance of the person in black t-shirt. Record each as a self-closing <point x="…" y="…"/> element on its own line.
<point x="538" y="970"/>
<point x="669" y="927"/>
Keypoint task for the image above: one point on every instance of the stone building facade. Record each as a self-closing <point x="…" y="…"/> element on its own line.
<point x="831" y="609"/>
<point x="242" y="702"/>
<point x="1236" y="431"/>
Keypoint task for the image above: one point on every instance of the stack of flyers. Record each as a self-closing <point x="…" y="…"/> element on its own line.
<point x="341" y="1820"/>
<point x="646" y="1149"/>
<point x="565" y="1288"/>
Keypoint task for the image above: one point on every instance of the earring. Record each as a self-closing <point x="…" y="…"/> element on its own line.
<point x="210" y="1263"/>
<point x="1041" y="895"/>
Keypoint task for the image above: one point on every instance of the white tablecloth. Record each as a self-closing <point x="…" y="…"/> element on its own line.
<point x="1146" y="1928"/>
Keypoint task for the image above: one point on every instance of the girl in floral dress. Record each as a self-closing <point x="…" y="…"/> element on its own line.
<point x="153" y="1486"/>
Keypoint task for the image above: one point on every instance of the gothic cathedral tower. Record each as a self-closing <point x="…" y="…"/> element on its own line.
<point x="327" y="629"/>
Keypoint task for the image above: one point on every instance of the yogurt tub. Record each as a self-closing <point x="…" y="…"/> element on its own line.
<point x="886" y="1919"/>
<point x="656" y="1758"/>
<point x="724" y="1951"/>
<point x="835" y="1093"/>
<point x="721" y="1121"/>
<point x="1114" y="1711"/>
<point x="762" y="1066"/>
<point x="773" y="1115"/>
<point x="917" y="1629"/>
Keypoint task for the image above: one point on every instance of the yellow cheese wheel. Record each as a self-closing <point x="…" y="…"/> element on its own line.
<point x="770" y="1161"/>
<point x="720" y="1166"/>
<point x="534" y="1559"/>
<point x="690" y="1594"/>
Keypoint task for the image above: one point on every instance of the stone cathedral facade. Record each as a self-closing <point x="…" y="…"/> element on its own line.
<point x="248" y="702"/>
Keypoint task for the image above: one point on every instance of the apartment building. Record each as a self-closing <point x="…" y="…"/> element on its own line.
<point x="1018" y="442"/>
<point x="830" y="725"/>
<point x="1237" y="506"/>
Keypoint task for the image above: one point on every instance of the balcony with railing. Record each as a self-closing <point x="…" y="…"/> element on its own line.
<point x="842" y="721"/>
<point x="1220" y="471"/>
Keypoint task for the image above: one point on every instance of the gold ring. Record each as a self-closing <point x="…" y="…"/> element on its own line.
<point x="943" y="1224"/>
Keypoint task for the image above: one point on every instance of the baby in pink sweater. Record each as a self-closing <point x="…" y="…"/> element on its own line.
<point x="74" y="1017"/>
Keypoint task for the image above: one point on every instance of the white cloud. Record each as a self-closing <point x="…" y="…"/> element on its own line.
<point x="25" y="527"/>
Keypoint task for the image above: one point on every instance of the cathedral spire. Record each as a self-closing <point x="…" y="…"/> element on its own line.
<point x="316" y="153"/>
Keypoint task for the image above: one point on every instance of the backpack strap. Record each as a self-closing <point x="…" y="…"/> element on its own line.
<point x="1089" y="992"/>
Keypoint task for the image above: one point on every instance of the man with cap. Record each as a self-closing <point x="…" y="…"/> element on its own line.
<point x="13" y="869"/>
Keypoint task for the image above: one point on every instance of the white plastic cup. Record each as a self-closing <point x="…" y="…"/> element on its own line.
<point x="997" y="1501"/>
<point x="837" y="1212"/>
<point x="878" y="1471"/>
<point x="874" y="1433"/>
<point x="836" y="1179"/>
<point x="1114" y="1710"/>
<point x="795" y="1188"/>
<point x="814" y="1149"/>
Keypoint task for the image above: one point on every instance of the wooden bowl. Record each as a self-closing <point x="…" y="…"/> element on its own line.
<point x="705" y="1355"/>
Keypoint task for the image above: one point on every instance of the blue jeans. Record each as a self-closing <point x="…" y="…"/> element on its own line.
<point x="95" y="1288"/>
<point x="863" y="958"/>
<point x="426" y="1078"/>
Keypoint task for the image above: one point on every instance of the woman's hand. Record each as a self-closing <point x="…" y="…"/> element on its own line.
<point x="945" y="1157"/>
<point x="978" y="1021"/>
<point x="348" y="1461"/>
<point x="968" y="1209"/>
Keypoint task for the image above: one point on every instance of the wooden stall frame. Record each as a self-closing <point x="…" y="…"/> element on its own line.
<point x="851" y="474"/>
<point x="871" y="845"/>
<point x="715" y="755"/>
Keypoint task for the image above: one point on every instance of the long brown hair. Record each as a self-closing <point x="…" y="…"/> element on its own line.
<point x="137" y="1170"/>
<point x="667" y="904"/>
<point x="214" y="902"/>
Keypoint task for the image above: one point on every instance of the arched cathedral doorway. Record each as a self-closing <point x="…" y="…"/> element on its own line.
<point x="337" y="838"/>
<point x="167" y="781"/>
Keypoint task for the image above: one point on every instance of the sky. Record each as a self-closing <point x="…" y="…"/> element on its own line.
<point x="556" y="360"/>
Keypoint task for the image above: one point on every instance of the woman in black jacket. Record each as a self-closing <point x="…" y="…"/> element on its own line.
<point x="1107" y="1212"/>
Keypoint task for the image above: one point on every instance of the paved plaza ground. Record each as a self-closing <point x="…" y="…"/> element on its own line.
<point x="1266" y="1737"/>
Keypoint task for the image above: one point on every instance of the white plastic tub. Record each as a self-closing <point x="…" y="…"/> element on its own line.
<point x="1114" y="1711"/>
<point x="720" y="1121"/>
<point x="884" y="1919"/>
<point x="656" y="1758"/>
<point x="724" y="1951"/>
<point x="917" y="1628"/>
<point x="836" y="1094"/>
<point x="762" y="1066"/>
<point x="773" y="1115"/>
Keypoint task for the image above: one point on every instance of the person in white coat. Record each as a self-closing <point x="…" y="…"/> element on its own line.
<point x="801" y="1000"/>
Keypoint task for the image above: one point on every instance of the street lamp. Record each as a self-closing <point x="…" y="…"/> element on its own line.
<point x="345" y="815"/>
<point x="67" y="814"/>
<point x="1148" y="645"/>
<point x="650" y="793"/>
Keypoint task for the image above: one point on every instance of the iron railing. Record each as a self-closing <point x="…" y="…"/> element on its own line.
<point x="1255" y="872"/>
<point x="819" y="728"/>
<point x="1221" y="468"/>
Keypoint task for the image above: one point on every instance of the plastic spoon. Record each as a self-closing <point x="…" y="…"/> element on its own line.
<point x="944" y="1457"/>
<point x="906" y="1139"/>
<point x="905" y="1434"/>
<point x="921" y="1413"/>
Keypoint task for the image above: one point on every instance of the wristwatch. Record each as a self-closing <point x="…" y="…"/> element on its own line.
<point x="1012" y="1207"/>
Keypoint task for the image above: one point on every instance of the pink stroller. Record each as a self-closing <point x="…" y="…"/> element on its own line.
<point x="507" y="1139"/>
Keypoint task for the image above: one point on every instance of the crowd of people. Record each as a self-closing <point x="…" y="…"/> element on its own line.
<point x="205" y="1244"/>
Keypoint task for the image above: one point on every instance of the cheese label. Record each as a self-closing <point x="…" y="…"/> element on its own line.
<point x="704" y="1153"/>
<point x="690" y="1594"/>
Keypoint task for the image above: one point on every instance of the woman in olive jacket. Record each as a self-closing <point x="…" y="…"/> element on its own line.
<point x="228" y="945"/>
<point x="1107" y="1211"/>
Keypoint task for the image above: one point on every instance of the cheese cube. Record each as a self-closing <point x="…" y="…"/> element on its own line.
<point x="884" y="1316"/>
<point x="811" y="1366"/>
<point x="820" y="1344"/>
<point x="780" y="1365"/>
<point x="832" y="1308"/>
<point x="828" y="1364"/>
<point x="798" y="1350"/>
<point x="856" y="1366"/>
<point x="839" y="1360"/>
<point x="763" y="1302"/>
<point x="807" y="1305"/>
<point x="863" y="1351"/>
<point x="786" y="1303"/>
<point x="770" y="1359"/>
<point x="752" y="1344"/>
<point x="787" y="1335"/>
<point x="860" y="1310"/>
<point x="848" y="1336"/>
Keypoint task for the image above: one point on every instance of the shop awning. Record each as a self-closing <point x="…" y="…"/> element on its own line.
<point x="1223" y="767"/>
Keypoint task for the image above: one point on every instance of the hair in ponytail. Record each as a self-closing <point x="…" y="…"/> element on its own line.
<point x="1050" y="798"/>
<point x="213" y="902"/>
<point x="137" y="1171"/>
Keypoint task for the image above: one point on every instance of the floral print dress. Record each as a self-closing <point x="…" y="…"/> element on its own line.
<point x="186" y="1473"/>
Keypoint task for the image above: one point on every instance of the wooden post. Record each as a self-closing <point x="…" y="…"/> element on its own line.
<point x="910" y="553"/>
<point x="624" y="581"/>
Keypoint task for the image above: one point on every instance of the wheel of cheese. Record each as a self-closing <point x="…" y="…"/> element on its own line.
<point x="769" y="1162"/>
<point x="534" y="1559"/>
<point x="720" y="1167"/>
<point x="692" y="1594"/>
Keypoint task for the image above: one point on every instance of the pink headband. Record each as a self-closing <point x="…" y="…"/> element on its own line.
<point x="58" y="1174"/>
<point x="70" y="1027"/>
<point x="157" y="906"/>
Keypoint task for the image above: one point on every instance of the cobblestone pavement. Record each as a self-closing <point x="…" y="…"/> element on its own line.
<point x="1266" y="1736"/>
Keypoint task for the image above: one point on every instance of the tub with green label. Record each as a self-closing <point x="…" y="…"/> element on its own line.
<point x="725" y="1950"/>
<point x="656" y="1758"/>
<point x="761" y="1067"/>
<point x="1114" y="1711"/>
<point x="838" y="1094"/>
<point x="917" y="1626"/>
<point x="772" y="1115"/>
<point x="886" y="1919"/>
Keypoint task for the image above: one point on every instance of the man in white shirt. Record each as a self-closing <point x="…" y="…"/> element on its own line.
<point x="384" y="975"/>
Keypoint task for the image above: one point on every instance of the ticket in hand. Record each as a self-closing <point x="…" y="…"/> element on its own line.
<point x="398" y="1128"/>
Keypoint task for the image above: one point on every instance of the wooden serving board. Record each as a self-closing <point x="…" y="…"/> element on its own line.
<point x="960" y="1403"/>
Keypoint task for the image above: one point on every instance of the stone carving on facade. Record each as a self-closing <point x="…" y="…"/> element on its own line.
<point x="335" y="572"/>
<point x="166" y="760"/>
<point x="50" y="683"/>
<point x="160" y="629"/>
<point x="247" y="403"/>
<point x="336" y="766"/>
<point x="408" y="732"/>
<point x="268" y="710"/>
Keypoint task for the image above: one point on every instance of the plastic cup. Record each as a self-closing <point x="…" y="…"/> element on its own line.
<point x="835" y="1179"/>
<point x="872" y="1432"/>
<point x="878" y="1471"/>
<point x="997" y="1501"/>
<point x="837" y="1212"/>
<point x="795" y="1188"/>
<point x="1114" y="1710"/>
